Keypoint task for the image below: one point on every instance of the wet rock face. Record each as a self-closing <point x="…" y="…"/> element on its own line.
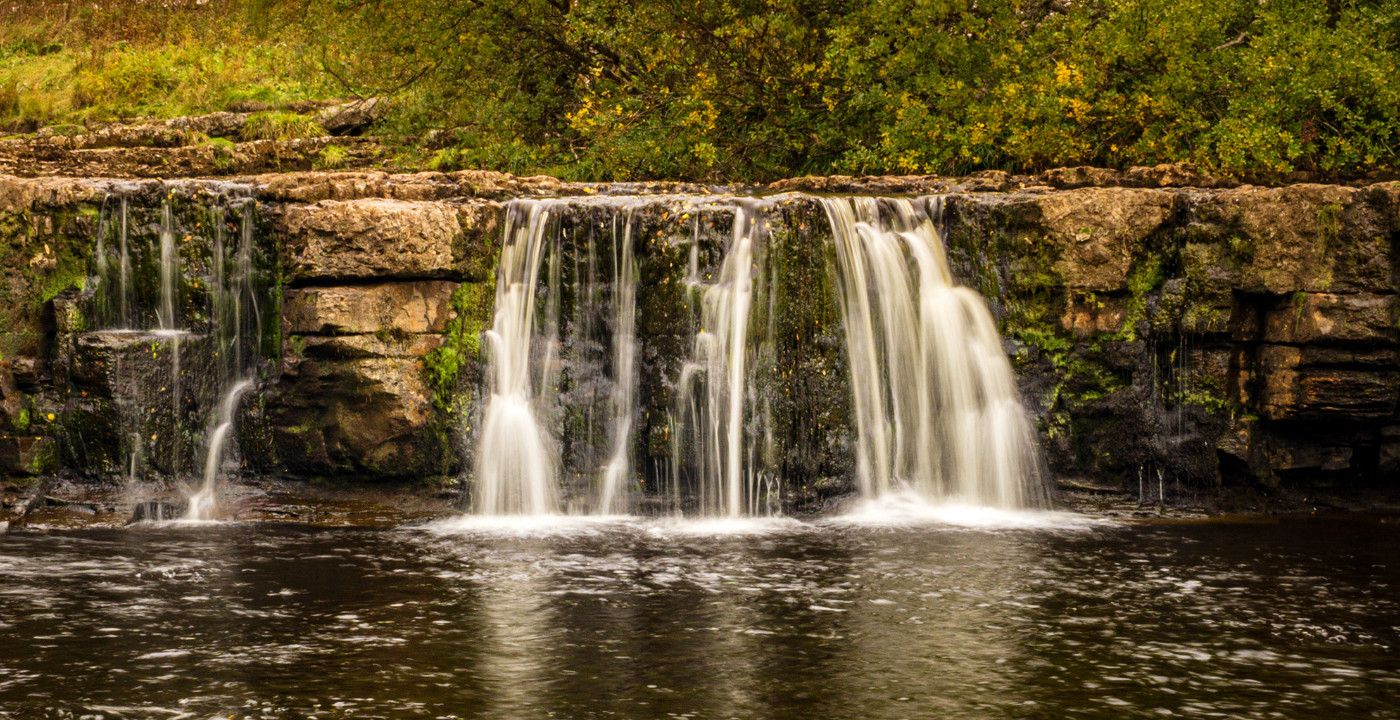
<point x="1239" y="334"/>
<point x="1158" y="320"/>
<point x="358" y="407"/>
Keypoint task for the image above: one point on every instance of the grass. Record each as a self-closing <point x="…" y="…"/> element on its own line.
<point x="124" y="61"/>
<point x="332" y="157"/>
<point x="279" y="125"/>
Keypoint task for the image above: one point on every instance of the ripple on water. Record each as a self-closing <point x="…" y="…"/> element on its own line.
<point x="591" y="618"/>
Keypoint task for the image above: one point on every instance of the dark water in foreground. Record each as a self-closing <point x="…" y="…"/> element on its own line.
<point x="1294" y="619"/>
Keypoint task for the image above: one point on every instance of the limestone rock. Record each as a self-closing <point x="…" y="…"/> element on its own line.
<point x="352" y="117"/>
<point x="373" y="239"/>
<point x="1097" y="231"/>
<point x="406" y="307"/>
<point x="359" y="347"/>
<point x="1309" y="382"/>
<point x="1101" y="315"/>
<point x="1329" y="317"/>
<point x="1308" y="238"/>
<point x="370" y="417"/>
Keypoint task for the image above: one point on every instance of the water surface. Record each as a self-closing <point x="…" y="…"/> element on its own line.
<point x="630" y="619"/>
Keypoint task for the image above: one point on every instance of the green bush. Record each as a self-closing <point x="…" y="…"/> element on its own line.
<point x="752" y="90"/>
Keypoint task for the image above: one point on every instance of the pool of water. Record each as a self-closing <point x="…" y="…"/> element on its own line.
<point x="952" y="615"/>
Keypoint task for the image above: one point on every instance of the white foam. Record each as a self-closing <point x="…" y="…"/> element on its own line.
<point x="528" y="525"/>
<point x="566" y="525"/>
<point x="723" y="526"/>
<point x="181" y="523"/>
<point x="909" y="509"/>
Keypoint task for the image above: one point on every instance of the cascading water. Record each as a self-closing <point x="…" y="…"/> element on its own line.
<point x="188" y="364"/>
<point x="203" y="503"/>
<point x="516" y="462"/>
<point x="622" y="401"/>
<point x="936" y="405"/>
<point x="234" y="316"/>
<point x="714" y="397"/>
<point x="520" y="457"/>
<point x="166" y="316"/>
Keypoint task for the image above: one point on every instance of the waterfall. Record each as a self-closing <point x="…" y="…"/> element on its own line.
<point x="934" y="406"/>
<point x="233" y="305"/>
<point x="517" y="458"/>
<point x="935" y="402"/>
<point x="713" y="399"/>
<point x="175" y="368"/>
<point x="166" y="316"/>
<point x="543" y="374"/>
<point x="203" y="503"/>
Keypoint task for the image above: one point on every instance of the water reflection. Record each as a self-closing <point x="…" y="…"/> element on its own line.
<point x="650" y="621"/>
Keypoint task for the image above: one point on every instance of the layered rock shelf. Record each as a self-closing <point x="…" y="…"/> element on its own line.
<point x="1165" y="327"/>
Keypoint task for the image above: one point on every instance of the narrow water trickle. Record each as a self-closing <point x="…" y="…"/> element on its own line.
<point x="622" y="403"/>
<point x="174" y="313"/>
<point x="234" y="317"/>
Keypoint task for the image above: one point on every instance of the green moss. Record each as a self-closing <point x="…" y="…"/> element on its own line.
<point x="1145" y="276"/>
<point x="1329" y="221"/>
<point x="45" y="458"/>
<point x="471" y="307"/>
<point x="1205" y="398"/>
<point x="22" y="420"/>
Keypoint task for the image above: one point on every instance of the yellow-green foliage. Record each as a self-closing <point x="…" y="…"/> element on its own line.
<point x="277" y="125"/>
<point x="751" y="89"/>
<point x="332" y="157"/>
<point x="471" y="307"/>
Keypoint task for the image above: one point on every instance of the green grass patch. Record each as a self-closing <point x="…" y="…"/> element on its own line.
<point x="277" y="125"/>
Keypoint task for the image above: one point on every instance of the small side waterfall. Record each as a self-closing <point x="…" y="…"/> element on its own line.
<point x="936" y="405"/>
<point x="167" y="319"/>
<point x="234" y="316"/>
<point x="204" y="502"/>
<point x="175" y="316"/>
<point x="517" y="460"/>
